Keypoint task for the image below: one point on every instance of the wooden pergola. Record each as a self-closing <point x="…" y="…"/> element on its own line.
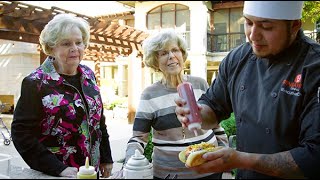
<point x="24" y="22"/>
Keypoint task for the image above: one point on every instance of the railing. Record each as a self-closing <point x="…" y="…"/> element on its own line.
<point x="224" y="42"/>
<point x="313" y="35"/>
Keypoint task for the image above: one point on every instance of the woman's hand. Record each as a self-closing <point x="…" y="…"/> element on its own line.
<point x="106" y="169"/>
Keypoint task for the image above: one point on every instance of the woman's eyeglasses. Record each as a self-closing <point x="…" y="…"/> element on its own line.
<point x="165" y="54"/>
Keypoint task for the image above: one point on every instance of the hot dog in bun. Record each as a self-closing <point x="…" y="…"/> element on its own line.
<point x="192" y="155"/>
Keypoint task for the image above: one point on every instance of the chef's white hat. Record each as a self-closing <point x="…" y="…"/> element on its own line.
<point x="282" y="10"/>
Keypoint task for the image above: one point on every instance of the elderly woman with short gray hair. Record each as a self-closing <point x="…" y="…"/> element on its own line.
<point x="166" y="52"/>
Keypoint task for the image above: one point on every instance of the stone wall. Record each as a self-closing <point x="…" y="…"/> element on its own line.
<point x="17" y="60"/>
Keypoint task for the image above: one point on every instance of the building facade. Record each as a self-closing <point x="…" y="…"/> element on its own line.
<point x="211" y="30"/>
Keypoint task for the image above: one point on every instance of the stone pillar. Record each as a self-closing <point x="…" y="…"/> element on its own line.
<point x="146" y="79"/>
<point x="198" y="65"/>
<point x="198" y="41"/>
<point x="134" y="85"/>
<point x="122" y="63"/>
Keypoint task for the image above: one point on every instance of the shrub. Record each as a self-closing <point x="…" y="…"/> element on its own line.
<point x="120" y="102"/>
<point x="149" y="148"/>
<point x="229" y="125"/>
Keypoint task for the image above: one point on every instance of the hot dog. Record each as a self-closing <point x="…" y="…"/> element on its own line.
<point x="192" y="155"/>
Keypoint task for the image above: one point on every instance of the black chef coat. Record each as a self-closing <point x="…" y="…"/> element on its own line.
<point x="274" y="101"/>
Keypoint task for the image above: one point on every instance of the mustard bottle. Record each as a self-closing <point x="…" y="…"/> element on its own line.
<point x="87" y="171"/>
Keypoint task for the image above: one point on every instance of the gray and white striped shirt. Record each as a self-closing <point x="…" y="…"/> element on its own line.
<point x="156" y="112"/>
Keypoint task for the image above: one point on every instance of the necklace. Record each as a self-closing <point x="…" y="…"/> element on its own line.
<point x="183" y="134"/>
<point x="165" y="84"/>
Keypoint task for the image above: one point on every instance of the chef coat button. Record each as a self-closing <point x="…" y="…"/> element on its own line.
<point x="274" y="95"/>
<point x="242" y="88"/>
<point x="267" y="130"/>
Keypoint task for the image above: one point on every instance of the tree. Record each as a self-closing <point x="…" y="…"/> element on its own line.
<point x="311" y="9"/>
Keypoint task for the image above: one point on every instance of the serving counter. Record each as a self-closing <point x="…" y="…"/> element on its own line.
<point x="27" y="173"/>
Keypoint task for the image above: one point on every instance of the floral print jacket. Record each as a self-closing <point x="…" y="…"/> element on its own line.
<point x="53" y="128"/>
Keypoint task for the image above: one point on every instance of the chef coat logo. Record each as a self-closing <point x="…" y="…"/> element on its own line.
<point x="298" y="78"/>
<point x="292" y="88"/>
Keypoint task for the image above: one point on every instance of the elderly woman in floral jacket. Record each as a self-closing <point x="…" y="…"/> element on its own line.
<point x="58" y="120"/>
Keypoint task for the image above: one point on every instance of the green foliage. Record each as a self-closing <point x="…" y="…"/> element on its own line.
<point x="229" y="125"/>
<point x="149" y="148"/>
<point x="311" y="9"/>
<point x="117" y="102"/>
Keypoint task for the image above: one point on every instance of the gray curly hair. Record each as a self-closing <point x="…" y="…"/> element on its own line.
<point x="57" y="29"/>
<point x="158" y="42"/>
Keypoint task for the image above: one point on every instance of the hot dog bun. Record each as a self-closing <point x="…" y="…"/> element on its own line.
<point x="192" y="155"/>
<point x="182" y="156"/>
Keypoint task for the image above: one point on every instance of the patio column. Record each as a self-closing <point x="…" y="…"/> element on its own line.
<point x="198" y="35"/>
<point x="122" y="78"/>
<point x="134" y="84"/>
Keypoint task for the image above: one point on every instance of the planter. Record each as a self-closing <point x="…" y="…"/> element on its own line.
<point x="120" y="113"/>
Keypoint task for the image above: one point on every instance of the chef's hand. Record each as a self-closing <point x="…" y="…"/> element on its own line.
<point x="182" y="111"/>
<point x="69" y="172"/>
<point x="106" y="169"/>
<point x="222" y="160"/>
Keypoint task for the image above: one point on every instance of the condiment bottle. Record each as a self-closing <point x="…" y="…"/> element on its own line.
<point x="185" y="91"/>
<point x="138" y="167"/>
<point x="87" y="171"/>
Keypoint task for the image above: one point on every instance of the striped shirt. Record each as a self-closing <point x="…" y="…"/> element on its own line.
<point x="156" y="112"/>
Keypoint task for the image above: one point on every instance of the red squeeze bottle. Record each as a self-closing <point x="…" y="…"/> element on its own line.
<point x="185" y="91"/>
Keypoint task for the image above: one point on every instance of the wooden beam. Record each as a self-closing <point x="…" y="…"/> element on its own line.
<point x="7" y="8"/>
<point x="19" y="24"/>
<point x="102" y="39"/>
<point x="122" y="15"/>
<point x="17" y="36"/>
<point x="226" y="4"/>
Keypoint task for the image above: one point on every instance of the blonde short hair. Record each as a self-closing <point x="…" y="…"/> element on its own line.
<point x="59" y="27"/>
<point x="158" y="42"/>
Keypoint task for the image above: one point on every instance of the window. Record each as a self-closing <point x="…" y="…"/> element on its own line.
<point x="228" y="30"/>
<point x="174" y="16"/>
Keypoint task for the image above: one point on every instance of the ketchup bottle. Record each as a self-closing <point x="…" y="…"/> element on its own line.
<point x="185" y="91"/>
